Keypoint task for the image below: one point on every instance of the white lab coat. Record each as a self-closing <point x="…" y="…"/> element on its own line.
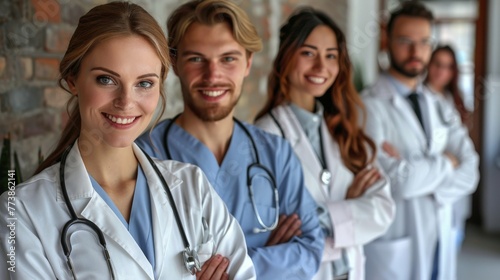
<point x="41" y="214"/>
<point x="424" y="183"/>
<point x="355" y="221"/>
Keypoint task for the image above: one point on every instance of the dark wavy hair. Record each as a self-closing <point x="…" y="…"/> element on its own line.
<point x="341" y="101"/>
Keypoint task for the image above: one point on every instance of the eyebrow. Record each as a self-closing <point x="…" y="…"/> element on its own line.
<point x="118" y="75"/>
<point x="233" y="52"/>
<point x="315" y="48"/>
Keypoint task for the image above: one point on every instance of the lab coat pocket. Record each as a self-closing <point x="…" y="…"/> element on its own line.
<point x="389" y="259"/>
<point x="206" y="251"/>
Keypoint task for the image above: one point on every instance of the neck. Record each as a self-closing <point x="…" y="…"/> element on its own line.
<point x="111" y="167"/>
<point x="408" y="81"/>
<point x="303" y="100"/>
<point x="216" y="135"/>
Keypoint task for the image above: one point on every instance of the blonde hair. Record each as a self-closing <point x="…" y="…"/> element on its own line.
<point x="99" y="24"/>
<point x="211" y="12"/>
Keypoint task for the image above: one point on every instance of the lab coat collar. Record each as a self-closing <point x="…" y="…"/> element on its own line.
<point x="96" y="210"/>
<point x="299" y="141"/>
<point x="386" y="89"/>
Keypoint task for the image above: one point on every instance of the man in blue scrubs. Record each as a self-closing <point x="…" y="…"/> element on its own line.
<point x="212" y="45"/>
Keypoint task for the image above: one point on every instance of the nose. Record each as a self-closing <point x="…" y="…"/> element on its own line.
<point x="124" y="99"/>
<point x="212" y="71"/>
<point x="319" y="62"/>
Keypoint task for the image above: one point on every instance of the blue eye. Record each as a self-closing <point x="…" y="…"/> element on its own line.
<point x="195" y="59"/>
<point x="145" y="84"/>
<point x="105" y="80"/>
<point x="228" y="59"/>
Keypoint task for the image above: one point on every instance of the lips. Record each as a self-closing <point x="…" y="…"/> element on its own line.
<point x="213" y="93"/>
<point x="119" y="119"/>
<point x="316" y="80"/>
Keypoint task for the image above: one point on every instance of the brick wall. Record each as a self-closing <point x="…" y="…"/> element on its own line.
<point x="34" y="35"/>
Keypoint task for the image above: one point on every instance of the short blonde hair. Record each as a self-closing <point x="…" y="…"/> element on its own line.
<point x="211" y="12"/>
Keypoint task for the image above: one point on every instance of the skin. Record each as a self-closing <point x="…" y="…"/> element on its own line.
<point x="316" y="67"/>
<point x="210" y="61"/>
<point x="112" y="87"/>
<point x="409" y="61"/>
<point x="440" y="71"/>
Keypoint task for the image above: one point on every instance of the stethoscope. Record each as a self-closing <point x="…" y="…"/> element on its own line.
<point x="190" y="256"/>
<point x="325" y="175"/>
<point x="255" y="165"/>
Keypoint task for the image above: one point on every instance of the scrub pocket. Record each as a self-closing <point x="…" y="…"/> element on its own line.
<point x="389" y="259"/>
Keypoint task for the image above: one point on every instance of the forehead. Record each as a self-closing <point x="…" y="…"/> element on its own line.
<point x="323" y="35"/>
<point x="411" y="27"/>
<point x="201" y="37"/>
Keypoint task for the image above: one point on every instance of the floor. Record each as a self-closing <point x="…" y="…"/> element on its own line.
<point x="480" y="256"/>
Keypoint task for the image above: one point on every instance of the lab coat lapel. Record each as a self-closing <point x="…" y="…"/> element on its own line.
<point x="333" y="161"/>
<point x="405" y="110"/>
<point x="99" y="212"/>
<point x="161" y="211"/>
<point x="301" y="145"/>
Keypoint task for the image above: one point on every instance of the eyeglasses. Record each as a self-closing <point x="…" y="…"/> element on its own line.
<point x="404" y="42"/>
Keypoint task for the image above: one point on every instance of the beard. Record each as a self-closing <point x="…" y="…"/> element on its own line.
<point x="208" y="112"/>
<point x="400" y="67"/>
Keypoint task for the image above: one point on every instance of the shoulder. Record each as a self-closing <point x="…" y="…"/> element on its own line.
<point x="43" y="184"/>
<point x="266" y="140"/>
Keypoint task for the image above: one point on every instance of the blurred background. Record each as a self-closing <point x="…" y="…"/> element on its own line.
<point x="34" y="35"/>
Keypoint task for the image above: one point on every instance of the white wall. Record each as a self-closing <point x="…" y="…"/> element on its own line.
<point x="362" y="34"/>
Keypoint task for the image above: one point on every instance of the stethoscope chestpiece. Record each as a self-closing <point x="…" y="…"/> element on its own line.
<point x="191" y="261"/>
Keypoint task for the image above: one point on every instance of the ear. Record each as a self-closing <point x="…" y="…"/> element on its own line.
<point x="249" y="64"/>
<point x="71" y="85"/>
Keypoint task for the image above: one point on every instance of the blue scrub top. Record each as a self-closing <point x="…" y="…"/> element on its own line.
<point x="140" y="225"/>
<point x="302" y="255"/>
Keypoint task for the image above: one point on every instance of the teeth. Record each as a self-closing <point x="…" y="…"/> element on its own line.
<point x="120" y="120"/>
<point x="213" y="93"/>
<point x="316" y="80"/>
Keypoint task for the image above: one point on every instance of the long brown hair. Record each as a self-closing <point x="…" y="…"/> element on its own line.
<point x="452" y="86"/>
<point x="341" y="101"/>
<point x="101" y="23"/>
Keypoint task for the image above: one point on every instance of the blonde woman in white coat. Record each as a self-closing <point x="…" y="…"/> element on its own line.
<point x="125" y="213"/>
<point x="313" y="104"/>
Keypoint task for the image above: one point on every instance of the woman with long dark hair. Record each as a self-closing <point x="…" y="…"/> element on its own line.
<point x="312" y="103"/>
<point x="442" y="78"/>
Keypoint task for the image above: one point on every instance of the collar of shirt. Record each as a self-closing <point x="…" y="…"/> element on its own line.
<point x="403" y="89"/>
<point x="310" y="122"/>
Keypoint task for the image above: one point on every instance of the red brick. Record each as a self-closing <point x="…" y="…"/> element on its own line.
<point x="46" y="68"/>
<point x="46" y="11"/>
<point x="26" y="65"/>
<point x="38" y="124"/>
<point x="3" y="64"/>
<point x="55" y="97"/>
<point x="57" y="38"/>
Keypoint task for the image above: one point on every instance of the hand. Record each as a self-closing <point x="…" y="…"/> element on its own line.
<point x="454" y="160"/>
<point x="362" y="181"/>
<point x="288" y="227"/>
<point x="389" y="149"/>
<point x="214" y="269"/>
